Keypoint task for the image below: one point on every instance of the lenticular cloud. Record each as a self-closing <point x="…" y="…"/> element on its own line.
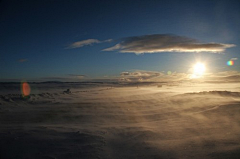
<point x="158" y="43"/>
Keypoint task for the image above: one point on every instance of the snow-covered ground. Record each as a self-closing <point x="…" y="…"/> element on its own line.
<point x="186" y="120"/>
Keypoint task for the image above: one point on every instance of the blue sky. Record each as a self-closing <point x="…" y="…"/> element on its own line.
<point x="36" y="37"/>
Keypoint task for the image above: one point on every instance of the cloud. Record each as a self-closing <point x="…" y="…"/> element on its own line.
<point x="226" y="76"/>
<point x="154" y="76"/>
<point x="108" y="40"/>
<point x="83" y="43"/>
<point x="86" y="42"/>
<point x="139" y="76"/>
<point x="233" y="59"/>
<point x="157" y="43"/>
<point x="22" y="60"/>
<point x="226" y="73"/>
<point x="233" y="78"/>
<point x="77" y="75"/>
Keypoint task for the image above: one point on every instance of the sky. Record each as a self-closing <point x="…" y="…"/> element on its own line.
<point x="45" y="40"/>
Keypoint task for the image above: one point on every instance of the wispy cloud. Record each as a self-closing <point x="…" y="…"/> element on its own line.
<point x="152" y="76"/>
<point x="82" y="43"/>
<point x="234" y="59"/>
<point x="22" y="60"/>
<point x="77" y="76"/>
<point x="226" y="76"/>
<point x="158" y="43"/>
<point x="139" y="76"/>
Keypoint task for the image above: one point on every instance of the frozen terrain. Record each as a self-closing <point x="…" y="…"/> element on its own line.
<point x="116" y="121"/>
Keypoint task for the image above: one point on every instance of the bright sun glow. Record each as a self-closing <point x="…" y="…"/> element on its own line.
<point x="198" y="70"/>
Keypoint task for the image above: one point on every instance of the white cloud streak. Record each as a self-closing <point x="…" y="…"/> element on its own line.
<point x="158" y="43"/>
<point x="77" y="76"/>
<point x="82" y="43"/>
<point x="233" y="59"/>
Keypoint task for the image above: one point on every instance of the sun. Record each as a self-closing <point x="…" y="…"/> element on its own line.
<point x="198" y="70"/>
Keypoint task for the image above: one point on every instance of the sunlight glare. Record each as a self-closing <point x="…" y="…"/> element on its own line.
<point x="198" y="70"/>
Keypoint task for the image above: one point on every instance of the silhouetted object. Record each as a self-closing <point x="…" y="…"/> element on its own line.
<point x="67" y="91"/>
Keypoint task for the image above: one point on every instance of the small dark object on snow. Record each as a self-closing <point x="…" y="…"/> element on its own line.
<point x="67" y="91"/>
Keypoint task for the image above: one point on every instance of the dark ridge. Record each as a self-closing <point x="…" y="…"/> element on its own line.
<point x="49" y="82"/>
<point x="10" y="82"/>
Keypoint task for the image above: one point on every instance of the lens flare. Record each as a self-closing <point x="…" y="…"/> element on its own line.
<point x="230" y="63"/>
<point x="25" y="89"/>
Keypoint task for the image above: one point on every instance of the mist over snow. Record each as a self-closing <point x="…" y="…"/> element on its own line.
<point x="120" y="120"/>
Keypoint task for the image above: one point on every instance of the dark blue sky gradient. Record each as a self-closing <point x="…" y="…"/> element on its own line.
<point x="40" y="31"/>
